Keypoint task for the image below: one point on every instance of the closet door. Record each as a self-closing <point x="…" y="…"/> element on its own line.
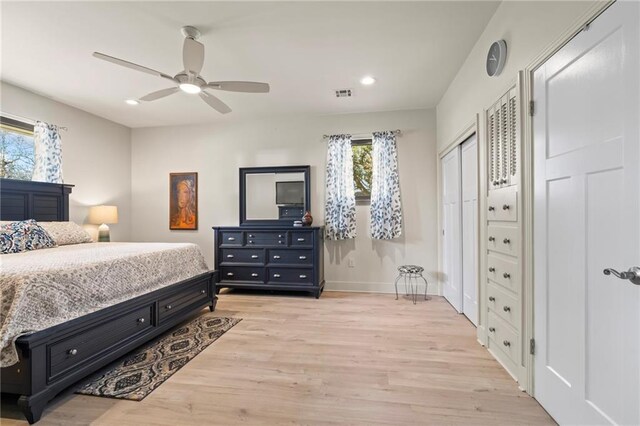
<point x="452" y="247"/>
<point x="470" y="228"/>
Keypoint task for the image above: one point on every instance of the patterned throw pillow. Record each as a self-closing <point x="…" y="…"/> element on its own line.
<point x="16" y="237"/>
<point x="65" y="233"/>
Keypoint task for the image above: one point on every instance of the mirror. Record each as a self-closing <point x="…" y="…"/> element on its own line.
<point x="274" y="195"/>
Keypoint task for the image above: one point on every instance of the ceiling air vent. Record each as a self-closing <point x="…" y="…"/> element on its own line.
<point x="343" y="93"/>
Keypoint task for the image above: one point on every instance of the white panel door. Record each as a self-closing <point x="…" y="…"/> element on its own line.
<point x="470" y="228"/>
<point x="451" y="253"/>
<point x="586" y="219"/>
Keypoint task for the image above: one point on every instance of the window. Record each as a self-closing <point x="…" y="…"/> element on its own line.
<point x="362" y="169"/>
<point x="17" y="151"/>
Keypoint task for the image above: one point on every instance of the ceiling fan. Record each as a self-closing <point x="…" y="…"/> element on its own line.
<point x="190" y="80"/>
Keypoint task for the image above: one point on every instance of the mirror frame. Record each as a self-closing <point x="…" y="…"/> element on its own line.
<point x="244" y="171"/>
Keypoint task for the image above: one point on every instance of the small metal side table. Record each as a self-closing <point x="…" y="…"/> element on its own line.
<point x="411" y="274"/>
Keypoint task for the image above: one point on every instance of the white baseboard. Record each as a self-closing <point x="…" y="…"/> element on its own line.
<point x="371" y="287"/>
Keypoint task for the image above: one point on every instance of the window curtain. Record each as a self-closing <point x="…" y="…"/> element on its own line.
<point x="340" y="206"/>
<point x="386" y="208"/>
<point x="48" y="153"/>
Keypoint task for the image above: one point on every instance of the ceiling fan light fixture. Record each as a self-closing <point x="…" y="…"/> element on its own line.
<point x="132" y="102"/>
<point x="190" y="88"/>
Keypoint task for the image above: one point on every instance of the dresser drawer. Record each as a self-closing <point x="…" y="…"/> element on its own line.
<point x="502" y="204"/>
<point x="291" y="257"/>
<point x="242" y="255"/>
<point x="301" y="239"/>
<point x="230" y="238"/>
<point x="503" y="337"/>
<point x="504" y="305"/>
<point x="86" y="344"/>
<point x="504" y="272"/>
<point x="504" y="239"/>
<point x="172" y="305"/>
<point x="266" y="239"/>
<point x="242" y="273"/>
<point x="290" y="276"/>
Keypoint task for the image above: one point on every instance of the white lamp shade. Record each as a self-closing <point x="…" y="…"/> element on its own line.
<point x="103" y="214"/>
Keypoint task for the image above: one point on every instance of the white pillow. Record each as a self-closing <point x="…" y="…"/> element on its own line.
<point x="65" y="233"/>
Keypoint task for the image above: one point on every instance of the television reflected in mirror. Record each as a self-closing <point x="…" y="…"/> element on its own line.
<point x="273" y="195"/>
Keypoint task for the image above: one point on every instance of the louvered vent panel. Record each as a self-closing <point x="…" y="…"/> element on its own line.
<point x="492" y="147"/>
<point x="504" y="141"/>
<point x="513" y="143"/>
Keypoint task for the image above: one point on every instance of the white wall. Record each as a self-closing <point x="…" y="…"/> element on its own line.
<point x="96" y="154"/>
<point x="217" y="151"/>
<point x="528" y="28"/>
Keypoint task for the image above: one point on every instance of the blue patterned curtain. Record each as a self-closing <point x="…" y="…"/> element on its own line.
<point x="48" y="153"/>
<point x="340" y="206"/>
<point x="386" y="208"/>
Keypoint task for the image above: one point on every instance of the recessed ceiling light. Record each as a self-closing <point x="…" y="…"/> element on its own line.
<point x="190" y="88"/>
<point x="132" y="102"/>
<point x="367" y="80"/>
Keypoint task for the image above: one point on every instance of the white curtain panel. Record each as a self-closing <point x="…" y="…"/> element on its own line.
<point x="48" y="153"/>
<point x="340" y="205"/>
<point x="386" y="207"/>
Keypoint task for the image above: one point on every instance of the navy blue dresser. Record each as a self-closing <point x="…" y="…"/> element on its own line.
<point x="270" y="258"/>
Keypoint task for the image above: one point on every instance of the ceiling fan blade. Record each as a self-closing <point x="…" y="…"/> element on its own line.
<point x="159" y="94"/>
<point x="192" y="55"/>
<point x="240" y="86"/>
<point x="131" y="65"/>
<point x="215" y="103"/>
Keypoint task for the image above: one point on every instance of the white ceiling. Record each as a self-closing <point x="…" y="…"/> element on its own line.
<point x="305" y="50"/>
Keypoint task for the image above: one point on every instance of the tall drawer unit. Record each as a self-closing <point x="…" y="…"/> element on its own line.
<point x="270" y="258"/>
<point x="502" y="280"/>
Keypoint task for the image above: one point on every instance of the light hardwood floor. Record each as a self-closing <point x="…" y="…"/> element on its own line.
<point x="347" y="358"/>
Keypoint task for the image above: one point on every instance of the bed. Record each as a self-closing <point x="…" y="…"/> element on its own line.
<point x="83" y="306"/>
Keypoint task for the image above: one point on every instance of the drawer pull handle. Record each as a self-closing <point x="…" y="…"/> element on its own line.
<point x="254" y="256"/>
<point x="279" y="236"/>
<point x="229" y="274"/>
<point x="506" y="309"/>
<point x="276" y="275"/>
<point x="250" y="241"/>
<point x="231" y="238"/>
<point x="506" y="275"/>
<point x="301" y="239"/>
<point x="254" y="275"/>
<point x="492" y="329"/>
<point x="251" y="235"/>
<point x="276" y="257"/>
<point x="491" y="208"/>
<point x="505" y="207"/>
<point x="506" y="241"/>
<point x="230" y="256"/>
<point x="203" y="291"/>
<point x="73" y="352"/>
<point x="492" y="269"/>
<point x="302" y="257"/>
<point x="280" y="242"/>
<point x="492" y="299"/>
<point x="141" y="320"/>
<point x="492" y="238"/>
<point x="506" y="343"/>
<point x="168" y="307"/>
<point x="303" y="276"/>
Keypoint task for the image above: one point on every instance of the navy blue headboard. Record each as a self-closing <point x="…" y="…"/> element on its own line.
<point x="24" y="199"/>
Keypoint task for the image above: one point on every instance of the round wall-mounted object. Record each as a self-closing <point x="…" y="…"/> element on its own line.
<point x="496" y="58"/>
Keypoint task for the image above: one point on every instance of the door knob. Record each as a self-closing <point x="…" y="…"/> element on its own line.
<point x="633" y="274"/>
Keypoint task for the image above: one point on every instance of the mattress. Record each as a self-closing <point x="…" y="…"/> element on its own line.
<point x="43" y="288"/>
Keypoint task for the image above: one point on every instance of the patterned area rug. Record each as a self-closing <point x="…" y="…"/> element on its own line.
<point x="138" y="373"/>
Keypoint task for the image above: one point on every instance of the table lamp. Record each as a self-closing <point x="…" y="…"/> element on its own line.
<point x="103" y="215"/>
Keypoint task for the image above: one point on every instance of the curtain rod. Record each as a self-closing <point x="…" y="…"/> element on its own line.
<point x="397" y="132"/>
<point x="26" y="120"/>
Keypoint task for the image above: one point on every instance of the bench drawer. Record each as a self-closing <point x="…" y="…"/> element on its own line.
<point x="89" y="343"/>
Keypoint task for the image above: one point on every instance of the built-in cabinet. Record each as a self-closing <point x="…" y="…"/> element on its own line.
<point x="502" y="280"/>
